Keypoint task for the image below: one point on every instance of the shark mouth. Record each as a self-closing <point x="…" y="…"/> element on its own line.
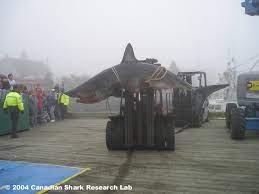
<point x="89" y="100"/>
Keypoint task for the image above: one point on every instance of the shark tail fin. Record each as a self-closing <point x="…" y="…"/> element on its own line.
<point x="208" y="90"/>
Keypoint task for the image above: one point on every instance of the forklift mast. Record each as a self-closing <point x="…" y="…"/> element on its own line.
<point x="187" y="76"/>
<point x="145" y="121"/>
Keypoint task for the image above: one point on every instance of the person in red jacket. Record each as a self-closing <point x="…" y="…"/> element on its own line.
<point x="39" y="95"/>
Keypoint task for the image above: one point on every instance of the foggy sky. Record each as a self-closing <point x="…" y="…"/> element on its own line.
<point x="83" y="36"/>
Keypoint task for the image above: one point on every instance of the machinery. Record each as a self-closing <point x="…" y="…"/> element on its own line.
<point x="244" y="115"/>
<point x="145" y="121"/>
<point x="191" y="107"/>
<point x="146" y="118"/>
<point x="251" y="7"/>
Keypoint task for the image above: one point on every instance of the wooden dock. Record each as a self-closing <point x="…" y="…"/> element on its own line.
<point x="206" y="160"/>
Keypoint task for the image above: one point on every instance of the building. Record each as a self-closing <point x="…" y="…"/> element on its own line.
<point x="26" y="71"/>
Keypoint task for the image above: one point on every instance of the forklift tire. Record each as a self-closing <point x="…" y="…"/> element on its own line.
<point x="197" y="122"/>
<point x="229" y="107"/>
<point x="109" y="135"/>
<point x="237" y="124"/>
<point x="170" y="140"/>
<point x="113" y="137"/>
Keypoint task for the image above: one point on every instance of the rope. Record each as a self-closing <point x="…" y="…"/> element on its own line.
<point x="186" y="126"/>
<point x="159" y="74"/>
<point x="257" y="61"/>
<point x="116" y="74"/>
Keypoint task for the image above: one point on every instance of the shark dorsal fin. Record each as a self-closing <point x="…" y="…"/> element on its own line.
<point x="129" y="55"/>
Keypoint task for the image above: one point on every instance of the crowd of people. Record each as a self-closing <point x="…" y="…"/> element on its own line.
<point x="44" y="105"/>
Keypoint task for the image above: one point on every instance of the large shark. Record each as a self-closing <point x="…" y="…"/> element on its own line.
<point x="131" y="75"/>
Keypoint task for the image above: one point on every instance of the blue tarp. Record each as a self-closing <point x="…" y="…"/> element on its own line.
<point x="25" y="177"/>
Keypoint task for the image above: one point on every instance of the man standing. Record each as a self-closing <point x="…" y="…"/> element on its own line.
<point x="13" y="103"/>
<point x="11" y="81"/>
<point x="63" y="101"/>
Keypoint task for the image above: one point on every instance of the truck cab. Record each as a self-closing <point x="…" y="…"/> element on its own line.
<point x="244" y="115"/>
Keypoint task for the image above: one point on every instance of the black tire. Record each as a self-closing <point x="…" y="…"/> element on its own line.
<point x="207" y="120"/>
<point x="170" y="141"/>
<point x="237" y="124"/>
<point x="198" y="121"/>
<point x="109" y="135"/>
<point x="229" y="108"/>
<point x="114" y="136"/>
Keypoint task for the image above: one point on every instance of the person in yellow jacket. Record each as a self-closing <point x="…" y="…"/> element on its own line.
<point x="63" y="102"/>
<point x="13" y="103"/>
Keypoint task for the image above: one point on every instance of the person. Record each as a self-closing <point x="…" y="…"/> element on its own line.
<point x="6" y="84"/>
<point x="57" y="108"/>
<point x="11" y="81"/>
<point x="13" y="103"/>
<point x="62" y="87"/>
<point x="39" y="95"/>
<point x="44" y="116"/>
<point x="2" y="92"/>
<point x="24" y="89"/>
<point x="33" y="109"/>
<point x="63" y="101"/>
<point x="51" y="101"/>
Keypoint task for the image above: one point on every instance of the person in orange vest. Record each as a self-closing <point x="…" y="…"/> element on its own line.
<point x="13" y="103"/>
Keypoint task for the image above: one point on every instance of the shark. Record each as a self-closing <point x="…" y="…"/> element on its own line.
<point x="131" y="75"/>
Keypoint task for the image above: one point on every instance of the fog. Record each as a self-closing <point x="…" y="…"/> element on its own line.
<point x="83" y="36"/>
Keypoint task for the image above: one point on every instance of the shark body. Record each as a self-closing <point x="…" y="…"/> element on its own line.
<point x="131" y="75"/>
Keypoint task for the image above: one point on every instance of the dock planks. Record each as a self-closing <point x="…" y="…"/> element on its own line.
<point x="206" y="160"/>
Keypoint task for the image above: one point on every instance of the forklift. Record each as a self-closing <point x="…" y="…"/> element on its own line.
<point x="145" y="121"/>
<point x="244" y="115"/>
<point x="191" y="107"/>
